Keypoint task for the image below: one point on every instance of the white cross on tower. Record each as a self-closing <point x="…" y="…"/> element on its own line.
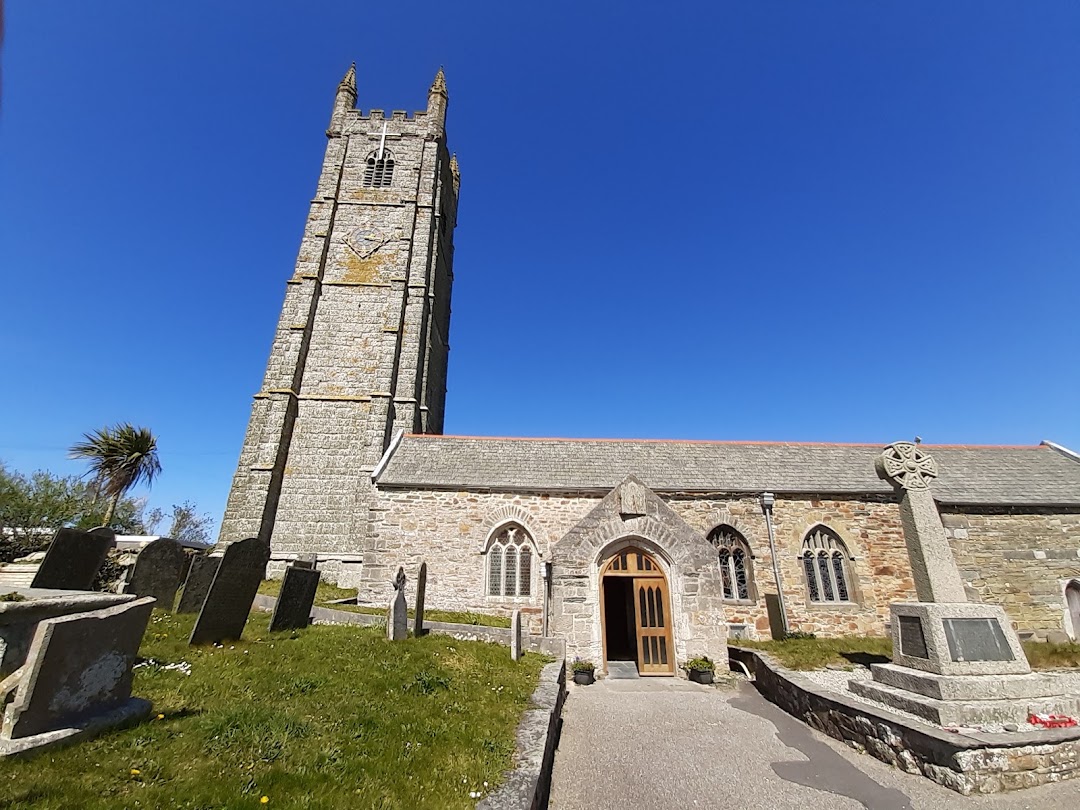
<point x="382" y="142"/>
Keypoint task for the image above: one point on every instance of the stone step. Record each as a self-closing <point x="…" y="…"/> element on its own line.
<point x="969" y="687"/>
<point x="964" y="712"/>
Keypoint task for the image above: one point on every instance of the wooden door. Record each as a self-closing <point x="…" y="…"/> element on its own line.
<point x="655" y="651"/>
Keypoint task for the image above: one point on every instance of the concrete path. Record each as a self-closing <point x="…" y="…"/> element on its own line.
<point x="668" y="743"/>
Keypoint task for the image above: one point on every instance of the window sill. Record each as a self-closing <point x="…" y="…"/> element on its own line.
<point x="841" y="606"/>
<point x="740" y="602"/>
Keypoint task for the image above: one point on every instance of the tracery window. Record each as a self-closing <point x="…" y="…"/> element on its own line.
<point x="509" y="563"/>
<point x="735" y="569"/>
<point x="379" y="170"/>
<point x="825" y="559"/>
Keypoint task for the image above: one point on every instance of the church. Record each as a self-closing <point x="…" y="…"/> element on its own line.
<point x="629" y="550"/>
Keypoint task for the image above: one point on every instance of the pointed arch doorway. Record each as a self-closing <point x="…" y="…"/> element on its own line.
<point x="1072" y="601"/>
<point x="635" y="613"/>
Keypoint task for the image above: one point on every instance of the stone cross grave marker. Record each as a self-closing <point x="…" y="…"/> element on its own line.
<point x="235" y="584"/>
<point x="397" y="617"/>
<point x="197" y="585"/>
<point x="292" y="611"/>
<point x="73" y="559"/>
<point x="911" y="469"/>
<point x="79" y="666"/>
<point x="515" y="635"/>
<point x="157" y="572"/>
<point x="421" y="593"/>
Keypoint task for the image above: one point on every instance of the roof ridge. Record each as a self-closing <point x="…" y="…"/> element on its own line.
<point x="720" y="441"/>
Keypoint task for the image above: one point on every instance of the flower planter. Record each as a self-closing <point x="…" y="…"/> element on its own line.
<point x="701" y="675"/>
<point x="584" y="677"/>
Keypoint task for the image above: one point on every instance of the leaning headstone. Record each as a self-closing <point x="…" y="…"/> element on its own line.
<point x="197" y="585"/>
<point x="73" y="559"/>
<point x="421" y="593"/>
<point x="157" y="572"/>
<point x="228" y="603"/>
<point x="306" y="561"/>
<point x="78" y="667"/>
<point x="397" y="616"/>
<point x="292" y="611"/>
<point x="515" y="635"/>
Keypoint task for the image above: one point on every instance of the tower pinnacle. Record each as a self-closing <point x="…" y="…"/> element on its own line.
<point x="439" y="85"/>
<point x="348" y="81"/>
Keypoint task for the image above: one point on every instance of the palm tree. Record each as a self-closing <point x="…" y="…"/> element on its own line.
<point x="120" y="457"/>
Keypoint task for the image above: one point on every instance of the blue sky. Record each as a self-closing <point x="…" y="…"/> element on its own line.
<point x="827" y="221"/>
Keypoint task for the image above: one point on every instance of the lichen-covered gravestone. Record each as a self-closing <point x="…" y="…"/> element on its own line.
<point x="515" y="635"/>
<point x="73" y="559"/>
<point x="397" y="617"/>
<point x="421" y="593"/>
<point x="78" y="669"/>
<point x="228" y="603"/>
<point x="197" y="585"/>
<point x="292" y="611"/>
<point x="157" y="572"/>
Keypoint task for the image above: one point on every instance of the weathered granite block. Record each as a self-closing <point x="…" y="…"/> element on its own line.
<point x="421" y="594"/>
<point x="73" y="559"/>
<point x="78" y="666"/>
<point x="1003" y="656"/>
<point x="157" y="572"/>
<point x="227" y="605"/>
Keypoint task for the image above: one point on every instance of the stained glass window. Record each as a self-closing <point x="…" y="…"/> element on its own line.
<point x="509" y="564"/>
<point x="734" y="557"/>
<point x="824" y="559"/>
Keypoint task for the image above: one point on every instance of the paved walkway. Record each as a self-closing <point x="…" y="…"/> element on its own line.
<point x="668" y="743"/>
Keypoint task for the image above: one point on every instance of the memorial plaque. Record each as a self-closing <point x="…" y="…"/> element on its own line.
<point x="197" y="584"/>
<point x="293" y="608"/>
<point x="976" y="640"/>
<point x="73" y="559"/>
<point x="912" y="640"/>
<point x="157" y="572"/>
<point x="228" y="603"/>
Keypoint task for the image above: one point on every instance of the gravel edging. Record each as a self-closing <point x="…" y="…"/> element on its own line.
<point x="528" y="785"/>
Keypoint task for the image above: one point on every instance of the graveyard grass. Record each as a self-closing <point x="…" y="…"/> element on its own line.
<point x="327" y="596"/>
<point x="327" y="717"/>
<point x="817" y="653"/>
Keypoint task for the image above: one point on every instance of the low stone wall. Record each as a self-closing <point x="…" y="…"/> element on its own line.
<point x="464" y="632"/>
<point x="528" y="785"/>
<point x="966" y="763"/>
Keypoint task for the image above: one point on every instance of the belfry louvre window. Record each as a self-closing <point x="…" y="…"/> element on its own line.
<point x="825" y="563"/>
<point x="379" y="171"/>
<point x="509" y="563"/>
<point x="734" y="553"/>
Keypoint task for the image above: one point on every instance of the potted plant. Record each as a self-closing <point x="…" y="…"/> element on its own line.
<point x="700" y="669"/>
<point x="584" y="671"/>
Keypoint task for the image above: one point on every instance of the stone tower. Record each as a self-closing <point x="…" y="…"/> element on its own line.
<point x="360" y="350"/>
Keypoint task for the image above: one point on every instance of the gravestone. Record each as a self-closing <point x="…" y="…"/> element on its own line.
<point x="421" y="593"/>
<point x="197" y="585"/>
<point x="73" y="559"/>
<point x="397" y="617"/>
<point x="157" y="572"/>
<point x="776" y="617"/>
<point x="306" y="561"/>
<point x="515" y="635"/>
<point x="78" y="667"/>
<point x="292" y="611"/>
<point x="228" y="602"/>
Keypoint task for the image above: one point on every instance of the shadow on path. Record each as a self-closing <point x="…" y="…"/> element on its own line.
<point x="825" y="769"/>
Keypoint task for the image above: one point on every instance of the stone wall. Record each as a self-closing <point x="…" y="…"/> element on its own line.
<point x="1020" y="559"/>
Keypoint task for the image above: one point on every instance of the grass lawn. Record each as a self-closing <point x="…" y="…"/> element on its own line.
<point x="327" y="593"/>
<point x="330" y="717"/>
<point x="816" y="653"/>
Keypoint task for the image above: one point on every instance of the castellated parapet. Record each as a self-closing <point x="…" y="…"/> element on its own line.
<point x="360" y="351"/>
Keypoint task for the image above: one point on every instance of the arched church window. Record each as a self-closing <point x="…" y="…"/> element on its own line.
<point x="735" y="567"/>
<point x="509" y="563"/>
<point x="825" y="564"/>
<point x="379" y="169"/>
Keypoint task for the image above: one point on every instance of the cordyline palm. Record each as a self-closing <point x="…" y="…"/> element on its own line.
<point x="120" y="457"/>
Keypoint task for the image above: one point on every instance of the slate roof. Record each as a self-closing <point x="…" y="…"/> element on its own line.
<point x="975" y="475"/>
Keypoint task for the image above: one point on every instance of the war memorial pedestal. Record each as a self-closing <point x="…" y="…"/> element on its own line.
<point x="954" y="662"/>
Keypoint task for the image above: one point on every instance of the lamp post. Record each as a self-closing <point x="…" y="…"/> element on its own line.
<point x="767" y="501"/>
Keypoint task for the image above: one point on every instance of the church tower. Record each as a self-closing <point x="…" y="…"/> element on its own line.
<point x="360" y="350"/>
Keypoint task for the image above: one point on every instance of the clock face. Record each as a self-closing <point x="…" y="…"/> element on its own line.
<point x="364" y="242"/>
